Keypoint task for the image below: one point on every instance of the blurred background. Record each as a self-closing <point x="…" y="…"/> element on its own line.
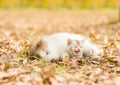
<point x="42" y="17"/>
<point x="23" y="22"/>
<point x="55" y="4"/>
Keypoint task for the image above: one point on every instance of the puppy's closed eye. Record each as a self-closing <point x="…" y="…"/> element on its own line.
<point x="47" y="52"/>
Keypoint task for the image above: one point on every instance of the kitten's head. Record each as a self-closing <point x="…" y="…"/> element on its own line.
<point x="39" y="48"/>
<point x="74" y="47"/>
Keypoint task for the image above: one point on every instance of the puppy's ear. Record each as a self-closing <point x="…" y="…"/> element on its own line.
<point x="35" y="46"/>
<point x="69" y="42"/>
<point x="40" y="43"/>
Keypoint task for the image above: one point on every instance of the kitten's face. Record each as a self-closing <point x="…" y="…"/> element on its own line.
<point x="74" y="47"/>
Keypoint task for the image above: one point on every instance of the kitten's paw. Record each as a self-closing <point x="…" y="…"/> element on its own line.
<point x="73" y="63"/>
<point x="65" y="57"/>
<point x="96" y="53"/>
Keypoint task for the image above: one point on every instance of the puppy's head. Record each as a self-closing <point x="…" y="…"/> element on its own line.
<point x="37" y="48"/>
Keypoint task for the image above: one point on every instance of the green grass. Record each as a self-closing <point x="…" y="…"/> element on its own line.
<point x="60" y="68"/>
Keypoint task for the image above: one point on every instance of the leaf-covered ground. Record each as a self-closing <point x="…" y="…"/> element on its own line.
<point x="18" y="29"/>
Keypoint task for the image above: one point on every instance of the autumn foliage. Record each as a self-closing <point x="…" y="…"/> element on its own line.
<point x="54" y="4"/>
<point x="18" y="29"/>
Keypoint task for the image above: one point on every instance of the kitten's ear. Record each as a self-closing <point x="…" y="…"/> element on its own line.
<point x="69" y="42"/>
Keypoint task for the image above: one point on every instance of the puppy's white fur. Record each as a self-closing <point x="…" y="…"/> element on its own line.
<point x="57" y="46"/>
